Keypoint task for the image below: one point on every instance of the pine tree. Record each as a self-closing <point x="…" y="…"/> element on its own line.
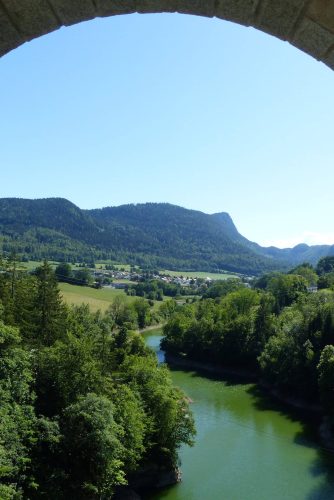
<point x="49" y="310"/>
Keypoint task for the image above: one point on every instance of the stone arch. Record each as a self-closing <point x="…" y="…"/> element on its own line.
<point x="306" y="24"/>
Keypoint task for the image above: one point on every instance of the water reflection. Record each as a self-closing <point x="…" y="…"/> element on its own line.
<point x="249" y="446"/>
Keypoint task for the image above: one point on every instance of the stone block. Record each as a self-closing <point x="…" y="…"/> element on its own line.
<point x="238" y="11"/>
<point x="329" y="60"/>
<point x="156" y="6"/>
<point x="322" y="11"/>
<point x="204" y="8"/>
<point x="115" y="7"/>
<point x="5" y="48"/>
<point x="9" y="36"/>
<point x="74" y="11"/>
<point x="32" y="17"/>
<point x="279" y="17"/>
<point x="313" y="38"/>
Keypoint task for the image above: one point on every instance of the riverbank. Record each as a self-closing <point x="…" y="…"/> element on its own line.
<point x="247" y="444"/>
<point x="246" y="376"/>
<point x="158" y="326"/>
<point x="292" y="401"/>
<point x="150" y="478"/>
<point x="183" y="362"/>
<point x="323" y="426"/>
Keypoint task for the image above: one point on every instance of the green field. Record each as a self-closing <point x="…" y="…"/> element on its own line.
<point x="32" y="264"/>
<point x="103" y="263"/>
<point x="96" y="299"/>
<point x="201" y="274"/>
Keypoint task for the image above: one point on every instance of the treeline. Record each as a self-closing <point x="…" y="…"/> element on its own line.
<point x="279" y="330"/>
<point x="41" y="243"/>
<point x="83" y="402"/>
<point x="65" y="274"/>
<point x="156" y="289"/>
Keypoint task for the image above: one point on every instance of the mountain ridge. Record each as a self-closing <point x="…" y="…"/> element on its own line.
<point x="149" y="234"/>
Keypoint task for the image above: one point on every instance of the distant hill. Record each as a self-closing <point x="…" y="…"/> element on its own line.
<point x="151" y="234"/>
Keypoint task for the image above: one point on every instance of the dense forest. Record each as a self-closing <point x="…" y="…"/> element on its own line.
<point x="151" y="235"/>
<point x="84" y="406"/>
<point x="281" y="329"/>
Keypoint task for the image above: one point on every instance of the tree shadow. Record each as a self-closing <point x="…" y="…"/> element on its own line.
<point x="323" y="466"/>
<point x="306" y="416"/>
<point x="263" y="400"/>
<point x="230" y="376"/>
<point x="308" y="436"/>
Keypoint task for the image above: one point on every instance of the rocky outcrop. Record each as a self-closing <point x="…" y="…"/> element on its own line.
<point x="153" y="477"/>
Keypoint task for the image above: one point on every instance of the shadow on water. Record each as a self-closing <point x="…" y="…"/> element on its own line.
<point x="308" y="436"/>
<point x="308" y="419"/>
<point x="228" y="376"/>
<point x="323" y="466"/>
<point x="264" y="400"/>
<point x="256" y="414"/>
<point x="322" y="493"/>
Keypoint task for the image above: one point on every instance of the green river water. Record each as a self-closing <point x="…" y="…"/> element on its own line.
<point x="248" y="447"/>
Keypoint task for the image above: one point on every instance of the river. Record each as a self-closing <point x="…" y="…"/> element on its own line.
<point x="248" y="447"/>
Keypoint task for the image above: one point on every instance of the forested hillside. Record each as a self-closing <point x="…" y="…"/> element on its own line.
<point x="84" y="405"/>
<point x="150" y="235"/>
<point x="282" y="330"/>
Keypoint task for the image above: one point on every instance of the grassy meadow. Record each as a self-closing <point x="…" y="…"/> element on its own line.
<point x="102" y="265"/>
<point x="97" y="299"/>
<point x="32" y="264"/>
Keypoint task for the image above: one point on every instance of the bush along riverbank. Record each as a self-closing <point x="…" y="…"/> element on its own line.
<point x="85" y="407"/>
<point x="281" y="335"/>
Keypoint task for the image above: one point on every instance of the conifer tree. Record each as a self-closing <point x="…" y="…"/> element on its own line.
<point x="49" y="311"/>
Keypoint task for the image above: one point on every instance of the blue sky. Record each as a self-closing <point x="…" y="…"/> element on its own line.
<point x="197" y="112"/>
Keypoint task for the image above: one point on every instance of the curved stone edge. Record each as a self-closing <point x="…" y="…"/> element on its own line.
<point x="306" y="24"/>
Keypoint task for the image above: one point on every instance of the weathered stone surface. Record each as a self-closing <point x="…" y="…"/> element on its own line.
<point x="198" y="7"/>
<point x="322" y="12"/>
<point x="9" y="36"/>
<point x="114" y="7"/>
<point x="329" y="60"/>
<point x="313" y="39"/>
<point x="32" y="17"/>
<point x="279" y="17"/>
<point x="307" y="24"/>
<point x="152" y="476"/>
<point x="74" y="11"/>
<point x="156" y="6"/>
<point x="239" y="11"/>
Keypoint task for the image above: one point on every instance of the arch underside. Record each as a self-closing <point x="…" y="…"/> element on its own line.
<point x="306" y="24"/>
